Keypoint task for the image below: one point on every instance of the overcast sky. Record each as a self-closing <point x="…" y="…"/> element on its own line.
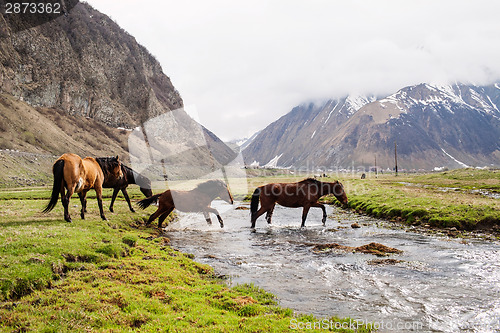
<point x="243" y="64"/>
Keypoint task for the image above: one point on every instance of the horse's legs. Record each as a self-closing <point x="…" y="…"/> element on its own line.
<point x="125" y="194"/>
<point x="154" y="216"/>
<point x="163" y="217"/>
<point x="257" y="214"/>
<point x="304" y="215"/>
<point x="270" y="214"/>
<point x="213" y="210"/>
<point x="65" y="201"/>
<point x="317" y="204"/>
<point x="83" y="200"/>
<point x="113" y="198"/>
<point x="98" y="192"/>
<point x="207" y="218"/>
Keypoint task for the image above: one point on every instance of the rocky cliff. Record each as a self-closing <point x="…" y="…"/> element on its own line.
<point x="82" y="65"/>
<point x="87" y="65"/>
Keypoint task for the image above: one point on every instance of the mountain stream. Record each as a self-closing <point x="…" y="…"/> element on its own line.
<point x="438" y="284"/>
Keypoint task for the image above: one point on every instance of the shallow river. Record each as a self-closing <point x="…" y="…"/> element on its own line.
<point x="441" y="285"/>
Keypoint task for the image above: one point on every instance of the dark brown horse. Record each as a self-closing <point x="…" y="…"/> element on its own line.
<point x="77" y="175"/>
<point x="117" y="184"/>
<point x="195" y="200"/>
<point x="302" y="194"/>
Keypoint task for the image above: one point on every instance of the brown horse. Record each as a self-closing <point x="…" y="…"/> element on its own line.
<point x="302" y="194"/>
<point x="129" y="177"/>
<point x="195" y="200"/>
<point x="77" y="175"/>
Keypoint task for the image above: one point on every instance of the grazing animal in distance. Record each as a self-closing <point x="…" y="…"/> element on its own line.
<point x="301" y="194"/>
<point x="129" y="177"/>
<point x="74" y="174"/>
<point x="195" y="200"/>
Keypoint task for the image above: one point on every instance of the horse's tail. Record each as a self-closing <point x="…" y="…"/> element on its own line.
<point x="254" y="204"/>
<point x="58" y="171"/>
<point x="143" y="204"/>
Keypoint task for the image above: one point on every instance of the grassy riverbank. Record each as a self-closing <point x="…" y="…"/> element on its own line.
<point x="114" y="276"/>
<point x="460" y="199"/>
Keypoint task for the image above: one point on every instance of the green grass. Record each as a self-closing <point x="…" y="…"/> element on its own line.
<point x="441" y="200"/>
<point x="114" y="276"/>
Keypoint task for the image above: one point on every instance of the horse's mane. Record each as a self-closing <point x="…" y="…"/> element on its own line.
<point x="129" y="174"/>
<point x="106" y="163"/>
<point x="311" y="180"/>
<point x="210" y="185"/>
<point x="316" y="182"/>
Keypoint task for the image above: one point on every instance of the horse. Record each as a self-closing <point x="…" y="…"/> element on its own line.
<point x="77" y="175"/>
<point x="301" y="194"/>
<point x="117" y="184"/>
<point x="195" y="200"/>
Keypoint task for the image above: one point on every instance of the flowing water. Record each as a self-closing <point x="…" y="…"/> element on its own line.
<point x="438" y="284"/>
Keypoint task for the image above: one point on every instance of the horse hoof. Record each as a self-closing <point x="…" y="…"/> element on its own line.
<point x="68" y="220"/>
<point x="132" y="210"/>
<point x="111" y="210"/>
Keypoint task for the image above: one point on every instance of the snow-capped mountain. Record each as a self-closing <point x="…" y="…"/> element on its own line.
<point x="289" y="140"/>
<point x="454" y="126"/>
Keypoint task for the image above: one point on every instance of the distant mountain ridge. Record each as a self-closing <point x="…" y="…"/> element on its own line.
<point x="453" y="126"/>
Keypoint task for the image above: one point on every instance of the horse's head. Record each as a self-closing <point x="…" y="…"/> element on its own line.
<point x="338" y="191"/>
<point x="225" y="194"/>
<point x="115" y="167"/>
<point x="147" y="191"/>
<point x="134" y="177"/>
<point x="216" y="188"/>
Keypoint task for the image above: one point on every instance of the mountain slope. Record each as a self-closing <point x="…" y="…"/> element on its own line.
<point x="32" y="138"/>
<point x="450" y="126"/>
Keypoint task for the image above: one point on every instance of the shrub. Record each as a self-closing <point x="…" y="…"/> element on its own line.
<point x="29" y="137"/>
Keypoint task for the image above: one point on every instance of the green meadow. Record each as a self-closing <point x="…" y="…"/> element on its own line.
<point x="115" y="276"/>
<point x="119" y="276"/>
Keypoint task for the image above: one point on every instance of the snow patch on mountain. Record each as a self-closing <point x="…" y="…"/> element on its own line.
<point x="329" y="114"/>
<point x="454" y="159"/>
<point x="273" y="163"/>
<point x="356" y="102"/>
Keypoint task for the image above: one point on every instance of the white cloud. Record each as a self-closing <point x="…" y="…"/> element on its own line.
<point x="244" y="64"/>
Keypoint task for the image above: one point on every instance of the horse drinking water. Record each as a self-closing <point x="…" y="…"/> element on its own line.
<point x="77" y="175"/>
<point x="301" y="194"/>
<point x="195" y="200"/>
<point x="129" y="177"/>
